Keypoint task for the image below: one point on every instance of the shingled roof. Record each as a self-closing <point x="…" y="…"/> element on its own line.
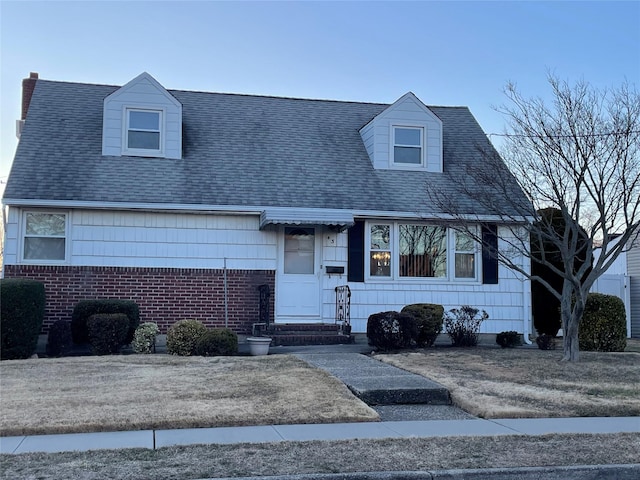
<point x="238" y="150"/>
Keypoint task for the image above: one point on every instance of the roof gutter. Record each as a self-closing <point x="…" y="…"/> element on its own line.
<point x="257" y="210"/>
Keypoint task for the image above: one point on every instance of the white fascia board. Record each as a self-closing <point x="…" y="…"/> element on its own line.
<point x="441" y="217"/>
<point x="156" y="207"/>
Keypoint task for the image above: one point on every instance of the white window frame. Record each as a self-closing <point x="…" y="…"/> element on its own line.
<point x="369" y="250"/>
<point x="143" y="152"/>
<point x="395" y="256"/>
<point x="24" y="235"/>
<point x="476" y="251"/>
<point x="393" y="145"/>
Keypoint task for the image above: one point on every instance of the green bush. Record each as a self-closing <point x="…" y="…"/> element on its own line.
<point x="603" y="327"/>
<point x="85" y="308"/>
<point x="216" y="342"/>
<point x="391" y="330"/>
<point x="508" y="339"/>
<point x="144" y="338"/>
<point x="546" y="342"/>
<point x="107" y="332"/>
<point x="183" y="335"/>
<point x="463" y="325"/>
<point x="428" y="318"/>
<point x="59" y="340"/>
<point x="22" y="304"/>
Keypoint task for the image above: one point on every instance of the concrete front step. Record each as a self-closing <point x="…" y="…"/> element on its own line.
<point x="306" y="338"/>
<point x="294" y="334"/>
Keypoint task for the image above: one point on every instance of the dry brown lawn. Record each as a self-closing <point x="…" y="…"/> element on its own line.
<point x="135" y="392"/>
<point x="528" y="382"/>
<point x="284" y="458"/>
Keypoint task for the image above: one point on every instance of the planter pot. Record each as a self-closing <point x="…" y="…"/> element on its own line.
<point x="259" y="345"/>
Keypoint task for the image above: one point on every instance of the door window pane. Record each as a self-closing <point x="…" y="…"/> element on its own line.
<point x="299" y="250"/>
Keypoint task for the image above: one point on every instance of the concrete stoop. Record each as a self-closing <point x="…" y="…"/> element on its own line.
<point x="296" y="334"/>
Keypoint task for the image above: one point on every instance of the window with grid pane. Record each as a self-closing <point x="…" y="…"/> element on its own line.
<point x="407" y="145"/>
<point x="465" y="257"/>
<point x="143" y="130"/>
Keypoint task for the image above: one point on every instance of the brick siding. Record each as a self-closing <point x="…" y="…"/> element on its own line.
<point x="164" y="295"/>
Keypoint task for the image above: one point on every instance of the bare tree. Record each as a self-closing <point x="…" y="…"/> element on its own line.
<point x="580" y="155"/>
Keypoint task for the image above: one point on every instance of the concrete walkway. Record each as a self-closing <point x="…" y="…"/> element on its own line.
<point x="154" y="439"/>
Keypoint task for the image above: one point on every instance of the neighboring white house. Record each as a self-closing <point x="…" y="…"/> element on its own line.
<point x="172" y="198"/>
<point x="622" y="279"/>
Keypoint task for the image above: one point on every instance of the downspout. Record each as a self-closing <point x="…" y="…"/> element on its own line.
<point x="526" y="310"/>
<point x="226" y="296"/>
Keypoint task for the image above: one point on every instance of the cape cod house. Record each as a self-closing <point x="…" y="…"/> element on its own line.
<point x="187" y="201"/>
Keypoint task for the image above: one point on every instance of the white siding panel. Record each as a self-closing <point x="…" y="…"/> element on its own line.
<point x="633" y="268"/>
<point x="505" y="302"/>
<point x="141" y="93"/>
<point x="406" y="111"/>
<point x="170" y="240"/>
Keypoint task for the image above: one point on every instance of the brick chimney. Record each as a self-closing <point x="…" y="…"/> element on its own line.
<point x="28" y="84"/>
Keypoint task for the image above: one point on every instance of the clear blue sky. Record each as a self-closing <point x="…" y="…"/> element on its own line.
<point x="447" y="53"/>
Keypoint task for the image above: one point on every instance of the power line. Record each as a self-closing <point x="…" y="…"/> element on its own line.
<point x="576" y="135"/>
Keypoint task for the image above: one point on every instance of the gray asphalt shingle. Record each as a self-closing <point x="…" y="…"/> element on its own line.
<point x="237" y="150"/>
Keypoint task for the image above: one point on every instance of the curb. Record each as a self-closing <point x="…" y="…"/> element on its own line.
<point x="580" y="472"/>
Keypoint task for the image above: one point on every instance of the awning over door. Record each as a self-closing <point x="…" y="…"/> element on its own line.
<point x="337" y="219"/>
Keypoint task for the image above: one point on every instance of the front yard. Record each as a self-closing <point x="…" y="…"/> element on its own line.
<point x="525" y="382"/>
<point x="135" y="392"/>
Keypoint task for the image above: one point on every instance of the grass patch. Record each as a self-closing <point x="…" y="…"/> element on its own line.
<point x="284" y="458"/>
<point x="528" y="382"/>
<point x="137" y="392"/>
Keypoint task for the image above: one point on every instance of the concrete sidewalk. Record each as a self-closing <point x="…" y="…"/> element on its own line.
<point x="154" y="439"/>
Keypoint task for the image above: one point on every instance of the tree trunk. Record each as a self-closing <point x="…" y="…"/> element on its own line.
<point x="571" y="307"/>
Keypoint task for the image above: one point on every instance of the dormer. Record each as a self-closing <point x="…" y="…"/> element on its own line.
<point x="142" y="119"/>
<point x="404" y="136"/>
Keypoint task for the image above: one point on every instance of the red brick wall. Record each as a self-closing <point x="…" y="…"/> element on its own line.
<point x="164" y="295"/>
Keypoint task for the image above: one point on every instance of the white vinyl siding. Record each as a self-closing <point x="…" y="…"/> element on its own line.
<point x="182" y="240"/>
<point x="633" y="266"/>
<point x="143" y="93"/>
<point x="408" y="111"/>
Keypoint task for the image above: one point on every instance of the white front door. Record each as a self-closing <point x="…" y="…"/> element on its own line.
<point x="298" y="275"/>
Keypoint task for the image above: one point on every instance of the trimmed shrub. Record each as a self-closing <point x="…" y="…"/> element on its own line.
<point x="22" y="303"/>
<point x="107" y="332"/>
<point x="428" y="318"/>
<point x="85" y="308"/>
<point x="216" y="342"/>
<point x="508" y="339"/>
<point x="546" y="342"/>
<point x="144" y="338"/>
<point x="603" y="327"/>
<point x="59" y="340"/>
<point x="463" y="325"/>
<point x="183" y="335"/>
<point x="391" y="330"/>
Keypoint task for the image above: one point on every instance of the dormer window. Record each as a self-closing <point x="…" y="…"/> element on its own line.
<point x="408" y="145"/>
<point x="143" y="132"/>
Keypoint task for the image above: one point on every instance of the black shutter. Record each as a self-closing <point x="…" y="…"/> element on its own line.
<point x="490" y="254"/>
<point x="355" y="258"/>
